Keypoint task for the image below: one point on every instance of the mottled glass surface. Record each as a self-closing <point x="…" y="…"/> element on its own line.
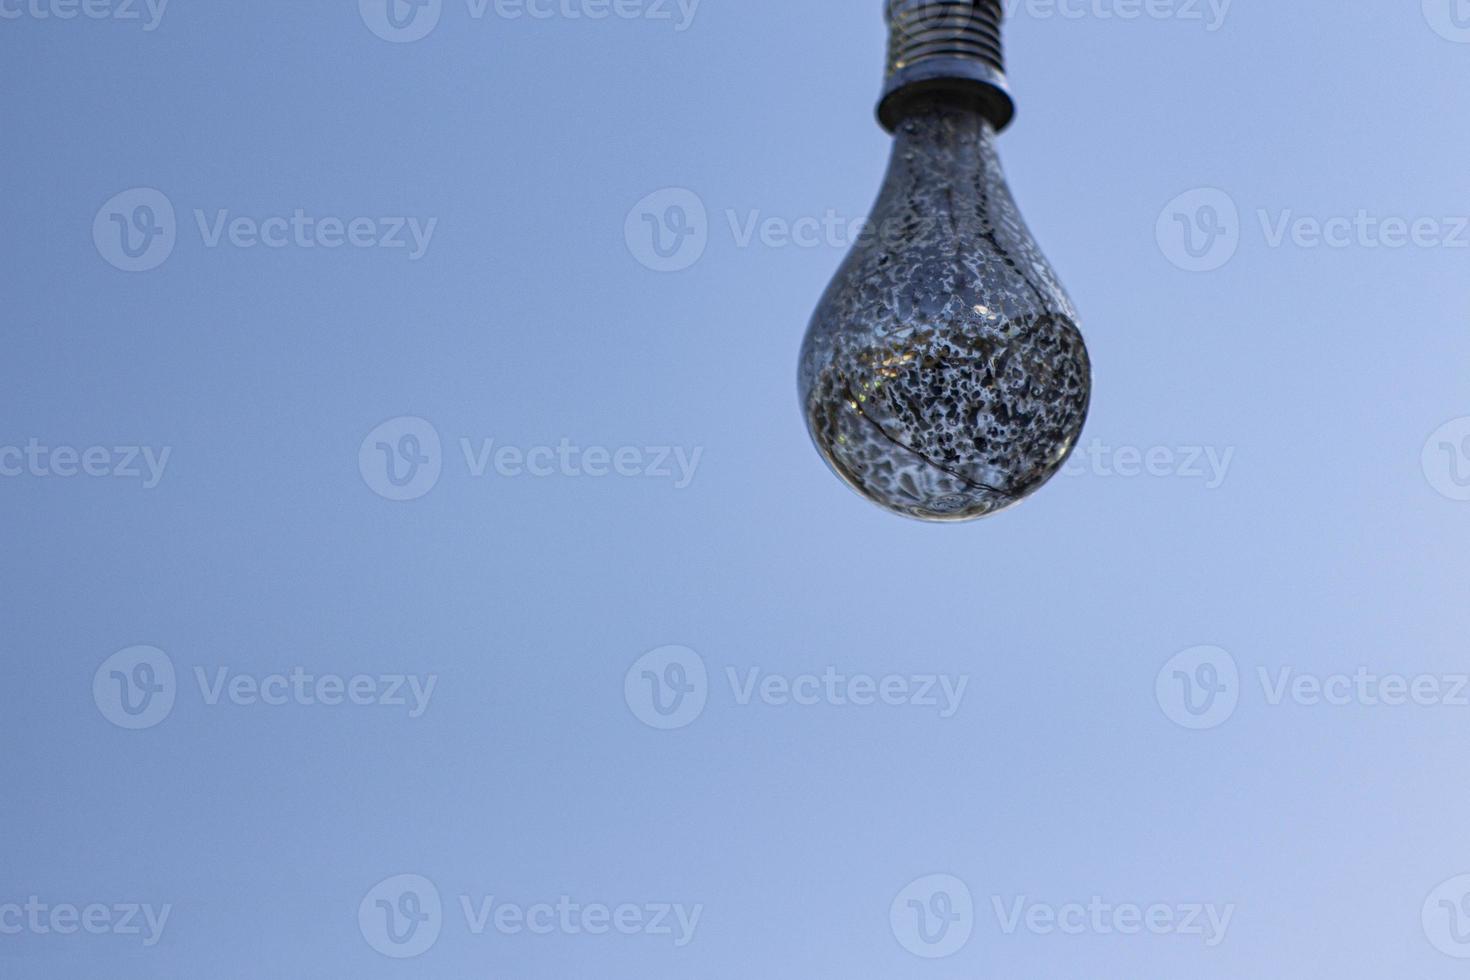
<point x="943" y="375"/>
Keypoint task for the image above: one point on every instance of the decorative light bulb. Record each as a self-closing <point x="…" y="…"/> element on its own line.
<point x="943" y="374"/>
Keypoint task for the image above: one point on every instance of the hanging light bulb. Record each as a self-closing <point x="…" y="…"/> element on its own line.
<point x="943" y="374"/>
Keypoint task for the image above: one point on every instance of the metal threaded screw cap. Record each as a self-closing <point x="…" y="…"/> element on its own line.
<point x="946" y="48"/>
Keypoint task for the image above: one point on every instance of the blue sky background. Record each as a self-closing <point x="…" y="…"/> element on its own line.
<point x="1333" y="378"/>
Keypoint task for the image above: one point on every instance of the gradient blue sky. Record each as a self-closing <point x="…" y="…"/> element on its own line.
<point x="1333" y="540"/>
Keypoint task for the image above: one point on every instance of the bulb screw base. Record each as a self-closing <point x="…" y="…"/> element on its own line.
<point x="946" y="50"/>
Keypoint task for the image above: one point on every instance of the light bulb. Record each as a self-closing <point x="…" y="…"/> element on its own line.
<point x="943" y="375"/>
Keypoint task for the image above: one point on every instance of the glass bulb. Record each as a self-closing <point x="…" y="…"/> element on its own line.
<point x="943" y="375"/>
